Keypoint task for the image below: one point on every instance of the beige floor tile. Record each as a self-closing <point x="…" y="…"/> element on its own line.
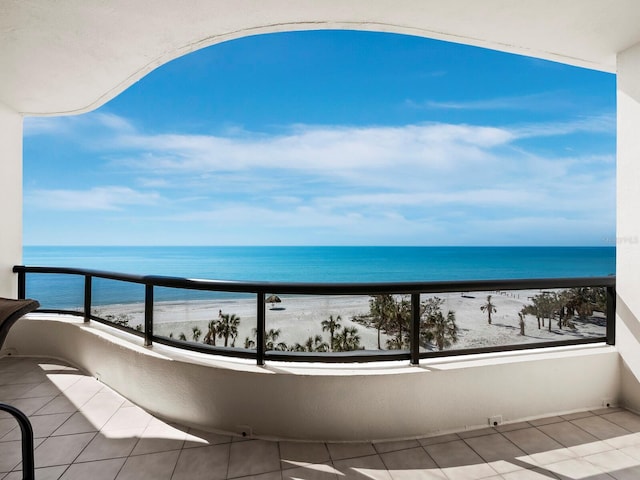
<point x="577" y="468"/>
<point x="508" y="427"/>
<point x="623" y="441"/>
<point x="61" y="450"/>
<point x="76" y="423"/>
<point x="314" y="471"/>
<point x="46" y="473"/>
<point x="612" y="461"/>
<point x="127" y="418"/>
<point x="160" y="437"/>
<point x="600" y="428"/>
<point x="338" y="451"/>
<point x="458" y="461"/>
<point x="7" y="425"/>
<point x="438" y="439"/>
<point x="383" y="447"/>
<point x="532" y="440"/>
<point x="65" y="380"/>
<point x="100" y="408"/>
<point x="60" y="404"/>
<point x="410" y="464"/>
<point x="203" y="463"/>
<point x="499" y="452"/>
<point x="83" y="390"/>
<point x="106" y="446"/>
<point x="630" y="473"/>
<point x="265" y="476"/>
<point x="200" y="438"/>
<point x="532" y="474"/>
<point x="253" y="457"/>
<point x="477" y="433"/>
<point x="155" y="466"/>
<point x="632" y="451"/>
<point x="567" y="434"/>
<point x="606" y="410"/>
<point x="298" y="454"/>
<point x="11" y="392"/>
<point x="546" y="421"/>
<point x="11" y="455"/>
<point x="584" y="449"/>
<point x="28" y="406"/>
<point x="99" y="470"/>
<point x="43" y="426"/>
<point x="44" y="389"/>
<point x="577" y="415"/>
<point x="624" y="419"/>
<point x="360" y="468"/>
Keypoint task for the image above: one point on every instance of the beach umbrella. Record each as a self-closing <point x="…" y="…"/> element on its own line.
<point x="273" y="299"/>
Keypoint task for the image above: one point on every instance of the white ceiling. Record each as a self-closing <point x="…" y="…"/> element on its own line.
<point x="69" y="56"/>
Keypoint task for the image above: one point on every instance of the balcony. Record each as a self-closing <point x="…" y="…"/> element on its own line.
<point x="372" y="394"/>
<point x="83" y="429"/>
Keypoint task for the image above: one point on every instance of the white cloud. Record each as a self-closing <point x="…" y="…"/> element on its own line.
<point x="96" y="198"/>
<point x="605" y="124"/>
<point x="430" y="183"/>
<point x="534" y="102"/>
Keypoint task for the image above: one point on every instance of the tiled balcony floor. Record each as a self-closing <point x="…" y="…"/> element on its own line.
<point x="84" y="430"/>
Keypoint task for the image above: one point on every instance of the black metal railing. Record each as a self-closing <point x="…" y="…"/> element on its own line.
<point x="261" y="289"/>
<point x="26" y="430"/>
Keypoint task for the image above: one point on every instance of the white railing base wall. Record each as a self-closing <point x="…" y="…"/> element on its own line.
<point x="329" y="402"/>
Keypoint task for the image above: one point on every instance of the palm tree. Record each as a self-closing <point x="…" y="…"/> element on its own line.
<point x="182" y="337"/>
<point x="546" y="304"/>
<point x="381" y="308"/>
<point x="312" y="344"/>
<point x="347" y="340"/>
<point x="331" y="326"/>
<point x="532" y="310"/>
<point x="228" y="327"/>
<point x="436" y="328"/>
<point x="489" y="308"/>
<point x="210" y="337"/>
<point x="271" y="337"/>
<point x="196" y="333"/>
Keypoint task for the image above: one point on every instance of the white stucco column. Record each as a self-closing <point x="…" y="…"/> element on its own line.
<point x="10" y="199"/>
<point x="628" y="223"/>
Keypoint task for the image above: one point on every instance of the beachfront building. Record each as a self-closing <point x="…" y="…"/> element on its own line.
<point x="65" y="58"/>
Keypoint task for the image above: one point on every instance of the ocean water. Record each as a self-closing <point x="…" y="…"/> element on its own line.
<point x="300" y="264"/>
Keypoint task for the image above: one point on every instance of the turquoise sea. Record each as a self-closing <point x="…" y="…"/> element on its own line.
<point x="305" y="264"/>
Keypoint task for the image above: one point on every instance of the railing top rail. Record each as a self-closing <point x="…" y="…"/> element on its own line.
<point x="332" y="288"/>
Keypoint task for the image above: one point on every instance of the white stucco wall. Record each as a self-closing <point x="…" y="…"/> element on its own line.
<point x="10" y="198"/>
<point x="327" y="402"/>
<point x="628" y="222"/>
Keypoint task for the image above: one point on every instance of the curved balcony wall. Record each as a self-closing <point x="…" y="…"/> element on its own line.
<point x="376" y="401"/>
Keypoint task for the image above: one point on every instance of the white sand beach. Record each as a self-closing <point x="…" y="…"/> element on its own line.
<point x="298" y="317"/>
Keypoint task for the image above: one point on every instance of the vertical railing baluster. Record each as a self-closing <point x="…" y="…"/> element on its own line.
<point x="611" y="315"/>
<point x="22" y="285"/>
<point x="87" y="297"/>
<point x="260" y="327"/>
<point x="415" y="329"/>
<point x="148" y="315"/>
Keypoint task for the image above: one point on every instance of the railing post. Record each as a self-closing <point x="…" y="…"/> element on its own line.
<point x="611" y="315"/>
<point x="22" y="285"/>
<point x="415" y="329"/>
<point x="87" y="297"/>
<point x="28" y="463"/>
<point x="260" y="326"/>
<point x="148" y="315"/>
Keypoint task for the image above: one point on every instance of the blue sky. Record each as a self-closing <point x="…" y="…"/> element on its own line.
<point x="332" y="138"/>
